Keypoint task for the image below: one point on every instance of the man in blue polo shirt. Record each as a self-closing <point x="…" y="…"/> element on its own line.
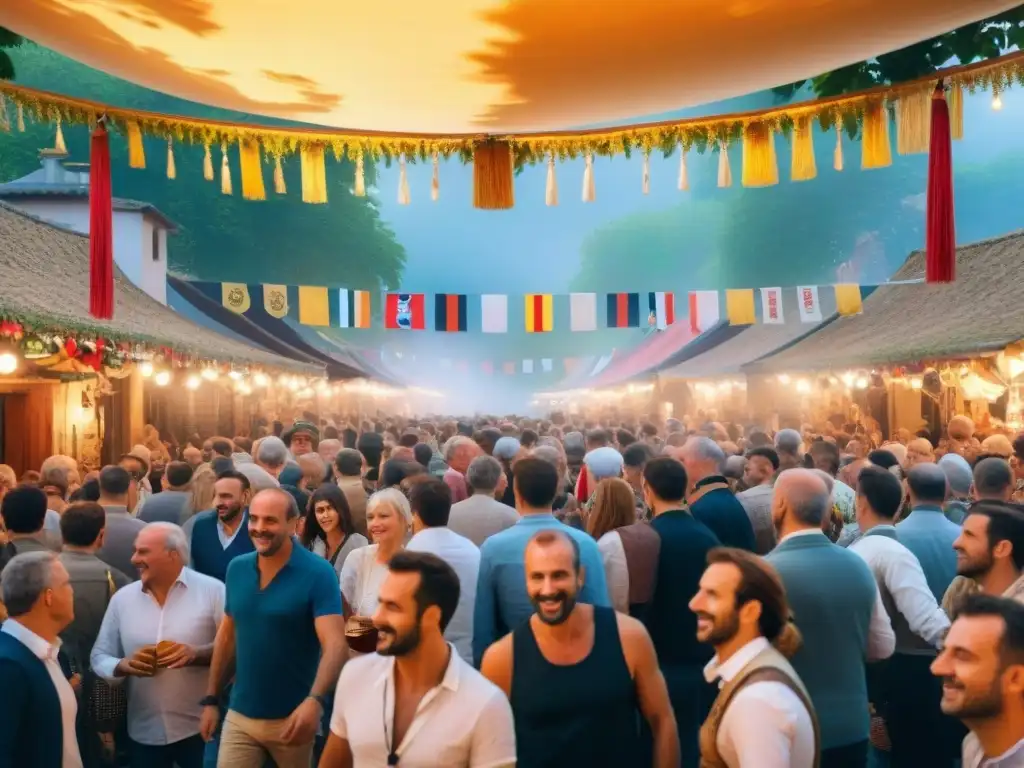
<point x="284" y="635"/>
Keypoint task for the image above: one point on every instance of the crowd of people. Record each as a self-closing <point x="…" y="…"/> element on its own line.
<point x="496" y="592"/>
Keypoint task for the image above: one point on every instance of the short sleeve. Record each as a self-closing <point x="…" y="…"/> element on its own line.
<point x="494" y="735"/>
<point x="350" y="575"/>
<point x="341" y="695"/>
<point x="228" y="582"/>
<point x="324" y="595"/>
<point x="218" y="595"/>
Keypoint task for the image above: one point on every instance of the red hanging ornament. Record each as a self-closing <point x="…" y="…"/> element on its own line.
<point x="71" y="347"/>
<point x="940" y="254"/>
<point x="101" y="228"/>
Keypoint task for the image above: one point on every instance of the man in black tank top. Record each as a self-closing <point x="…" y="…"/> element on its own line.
<point x="579" y="676"/>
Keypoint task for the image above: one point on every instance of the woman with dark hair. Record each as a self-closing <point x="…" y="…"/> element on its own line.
<point x="328" y="529"/>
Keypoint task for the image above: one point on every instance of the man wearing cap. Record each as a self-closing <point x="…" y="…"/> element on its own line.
<point x="137" y="462"/>
<point x="601" y="463"/>
<point x="302" y="438"/>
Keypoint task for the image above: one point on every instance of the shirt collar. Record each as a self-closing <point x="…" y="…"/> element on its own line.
<point x="182" y="579"/>
<point x="928" y="508"/>
<point x="727" y="671"/>
<point x="115" y="509"/>
<point x="432" y="532"/>
<point x="710" y="480"/>
<point x="805" y="532"/>
<point x="540" y="518"/>
<point x="450" y="680"/>
<point x="37" y="645"/>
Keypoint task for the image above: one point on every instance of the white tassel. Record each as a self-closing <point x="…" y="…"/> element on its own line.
<point x="435" y="180"/>
<point x="647" y="173"/>
<point x="360" y="185"/>
<point x="684" y="175"/>
<point x="58" y="143"/>
<point x="724" y="169"/>
<point x="5" y="122"/>
<point x="551" y="189"/>
<point x="837" y="158"/>
<point x="588" y="180"/>
<point x="225" y="170"/>
<point x="172" y="170"/>
<point x="403" y="183"/>
<point x="207" y="163"/>
<point x="21" y="118"/>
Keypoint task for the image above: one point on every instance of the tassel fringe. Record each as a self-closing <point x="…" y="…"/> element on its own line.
<point x="684" y="174"/>
<point x="956" y="112"/>
<point x="21" y="118"/>
<point x="876" y="145"/>
<point x="551" y="188"/>
<point x="760" y="165"/>
<point x="914" y="120"/>
<point x="250" y="162"/>
<point x="207" y="163"/>
<point x="647" y="173"/>
<point x="279" y="185"/>
<point x="136" y="150"/>
<point x="5" y="121"/>
<point x="724" y="169"/>
<point x="58" y="142"/>
<point x="589" y="191"/>
<point x="803" y="166"/>
<point x="837" y="155"/>
<point x="225" y="170"/>
<point x="314" y="174"/>
<point x="360" y="183"/>
<point x="403" y="183"/>
<point x="493" y="183"/>
<point x="172" y="169"/>
<point x="435" y="179"/>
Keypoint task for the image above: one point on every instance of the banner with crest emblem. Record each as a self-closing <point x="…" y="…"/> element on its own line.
<point x="275" y="300"/>
<point x="235" y="296"/>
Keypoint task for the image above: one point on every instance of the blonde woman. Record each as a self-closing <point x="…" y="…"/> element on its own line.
<point x="202" y="489"/>
<point x="388" y="521"/>
<point x="629" y="549"/>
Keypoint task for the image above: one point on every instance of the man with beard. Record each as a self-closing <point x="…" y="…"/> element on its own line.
<point x="989" y="554"/>
<point x="579" y="675"/>
<point x="762" y="717"/>
<point x="217" y="536"/>
<point x="283" y="635"/>
<point x="415" y="703"/>
<point x="982" y="671"/>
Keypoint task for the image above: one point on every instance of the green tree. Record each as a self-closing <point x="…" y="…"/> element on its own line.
<point x="7" y="40"/>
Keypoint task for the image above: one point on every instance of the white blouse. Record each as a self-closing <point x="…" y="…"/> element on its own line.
<point x="361" y="578"/>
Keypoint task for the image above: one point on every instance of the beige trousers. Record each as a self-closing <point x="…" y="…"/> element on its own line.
<point x="245" y="743"/>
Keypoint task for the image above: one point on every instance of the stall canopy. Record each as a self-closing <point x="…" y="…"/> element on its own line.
<point x="982" y="311"/>
<point x="46" y="283"/>
<point x="752" y="343"/>
<point x="476" y="66"/>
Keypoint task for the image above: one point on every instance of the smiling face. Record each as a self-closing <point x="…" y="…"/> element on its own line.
<point x="398" y="619"/>
<point x="326" y="516"/>
<point x="269" y="524"/>
<point x="229" y="498"/>
<point x="155" y="563"/>
<point x="386" y="524"/>
<point x="553" y="580"/>
<point x="718" y="620"/>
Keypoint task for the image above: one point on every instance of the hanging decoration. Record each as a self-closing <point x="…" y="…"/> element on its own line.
<point x="359" y="189"/>
<point x="435" y="179"/>
<point x="551" y="186"/>
<point x="136" y="150"/>
<point x="279" y="185"/>
<point x="876" y="146"/>
<point x="760" y="166"/>
<point x="403" y="183"/>
<point x="940" y="236"/>
<point x="21" y="117"/>
<point x="646" y="185"/>
<point x="837" y="155"/>
<point x="314" y="174"/>
<point x="589" y="193"/>
<point x="493" y="183"/>
<point x="58" y="142"/>
<point x="207" y="163"/>
<point x="803" y="166"/>
<point x="684" y="176"/>
<point x="251" y="164"/>
<point x="724" y="169"/>
<point x="913" y="123"/>
<point x="101" y="227"/>
<point x="225" y="170"/>
<point x="172" y="170"/>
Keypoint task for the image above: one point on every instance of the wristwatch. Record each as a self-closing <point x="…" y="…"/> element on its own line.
<point x="209" y="701"/>
<point x="321" y="700"/>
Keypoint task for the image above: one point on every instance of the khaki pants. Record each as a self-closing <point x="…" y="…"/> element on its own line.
<point x="245" y="743"/>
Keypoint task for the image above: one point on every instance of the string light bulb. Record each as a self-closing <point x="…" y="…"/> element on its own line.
<point x="803" y="386"/>
<point x="146" y="369"/>
<point x="997" y="102"/>
<point x="235" y="375"/>
<point x="862" y="383"/>
<point x="848" y="379"/>
<point x="162" y="379"/>
<point x="8" y="363"/>
<point x="192" y="382"/>
<point x="916" y="382"/>
<point x="210" y="374"/>
<point x="260" y="380"/>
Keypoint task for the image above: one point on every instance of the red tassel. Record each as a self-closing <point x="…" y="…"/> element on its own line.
<point x="940" y="261"/>
<point x="101" y="228"/>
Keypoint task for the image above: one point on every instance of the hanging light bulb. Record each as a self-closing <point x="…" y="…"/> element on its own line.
<point x="997" y="102"/>
<point x="803" y="386"/>
<point x="235" y="375"/>
<point x="916" y="382"/>
<point x="243" y="388"/>
<point x="146" y="369"/>
<point x="260" y="380"/>
<point x="210" y="374"/>
<point x="862" y="383"/>
<point x="192" y="382"/>
<point x="783" y="378"/>
<point x="162" y="379"/>
<point x="8" y="363"/>
<point x="848" y="379"/>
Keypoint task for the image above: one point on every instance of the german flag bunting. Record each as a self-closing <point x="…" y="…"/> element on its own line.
<point x="450" y="312"/>
<point x="539" y="313"/>
<point x="623" y="310"/>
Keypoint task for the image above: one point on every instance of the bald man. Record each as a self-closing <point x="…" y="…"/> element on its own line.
<point x="711" y="499"/>
<point x="926" y="531"/>
<point x="838" y="610"/>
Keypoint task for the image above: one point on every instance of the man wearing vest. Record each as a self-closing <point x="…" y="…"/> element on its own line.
<point x="221" y="534"/>
<point x="763" y="717"/>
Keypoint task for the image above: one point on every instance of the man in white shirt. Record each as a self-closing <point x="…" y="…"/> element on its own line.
<point x="912" y="716"/>
<point x="158" y="633"/>
<point x="38" y="707"/>
<point x="763" y="717"/>
<point x="431" y="502"/>
<point x="415" y="703"/>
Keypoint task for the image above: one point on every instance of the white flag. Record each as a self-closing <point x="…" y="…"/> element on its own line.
<point x="704" y="311"/>
<point x="810" y="307"/>
<point x="583" y="311"/>
<point x="494" y="313"/>
<point x="546" y="365"/>
<point x="771" y="306"/>
<point x="527" y="366"/>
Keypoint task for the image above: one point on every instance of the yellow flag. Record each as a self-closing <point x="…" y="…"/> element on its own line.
<point x="739" y="306"/>
<point x="848" y="301"/>
<point x="314" y="306"/>
<point x="539" y="308"/>
<point x="275" y="300"/>
<point x="235" y="296"/>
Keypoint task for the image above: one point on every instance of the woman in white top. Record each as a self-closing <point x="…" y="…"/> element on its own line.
<point x="388" y="520"/>
<point x="328" y="530"/>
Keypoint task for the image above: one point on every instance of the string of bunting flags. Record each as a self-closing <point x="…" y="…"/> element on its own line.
<point x="322" y="306"/>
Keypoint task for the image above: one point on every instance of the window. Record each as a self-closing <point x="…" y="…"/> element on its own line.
<point x="156" y="243"/>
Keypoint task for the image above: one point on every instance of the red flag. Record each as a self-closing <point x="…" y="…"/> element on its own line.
<point x="101" y="228"/>
<point x="404" y="311"/>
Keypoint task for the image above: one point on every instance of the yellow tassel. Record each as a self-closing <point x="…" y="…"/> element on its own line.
<point x="876" y="145"/>
<point x="589" y="192"/>
<point x="551" y="188"/>
<point x="225" y="170"/>
<point x="760" y="165"/>
<point x="837" y="155"/>
<point x="21" y="118"/>
<point x="403" y="183"/>
<point x="360" y="185"/>
<point x="314" y="174"/>
<point x="913" y="127"/>
<point x="803" y="166"/>
<point x="136" y="151"/>
<point x="493" y="182"/>
<point x="58" y="143"/>
<point x="250" y="162"/>
<point x="279" y="186"/>
<point x="724" y="169"/>
<point x="956" y="112"/>
<point x="207" y="163"/>
<point x="172" y="170"/>
<point x="647" y="173"/>
<point x="684" y="174"/>
<point x="435" y="180"/>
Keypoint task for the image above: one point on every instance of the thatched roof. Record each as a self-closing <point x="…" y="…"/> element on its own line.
<point x="982" y="311"/>
<point x="45" y="281"/>
<point x="753" y="342"/>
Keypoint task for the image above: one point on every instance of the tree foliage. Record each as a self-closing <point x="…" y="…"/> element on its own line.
<point x="974" y="42"/>
<point x="7" y="40"/>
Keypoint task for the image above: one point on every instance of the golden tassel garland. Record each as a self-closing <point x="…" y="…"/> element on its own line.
<point x="403" y="183"/>
<point x="21" y="118"/>
<point x="760" y="165"/>
<point x="684" y="174"/>
<point x="279" y="185"/>
<point x="837" y="155"/>
<point x="136" y="150"/>
<point x="647" y="173"/>
<point x="435" y="179"/>
<point x="724" y="169"/>
<point x="58" y="142"/>
<point x="314" y="174"/>
<point x="225" y="170"/>
<point x="250" y="162"/>
<point x="589" y="190"/>
<point x="359" y="190"/>
<point x="914" y="122"/>
<point x="493" y="182"/>
<point x="956" y="112"/>
<point x="172" y="169"/>
<point x="551" y="187"/>
<point x="803" y="166"/>
<point x="876" y="145"/>
<point x="207" y="163"/>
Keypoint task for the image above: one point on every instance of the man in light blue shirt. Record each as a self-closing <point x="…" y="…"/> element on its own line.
<point x="502" y="602"/>
<point x="927" y="532"/>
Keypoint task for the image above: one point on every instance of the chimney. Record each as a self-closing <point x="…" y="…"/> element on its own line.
<point x="53" y="171"/>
